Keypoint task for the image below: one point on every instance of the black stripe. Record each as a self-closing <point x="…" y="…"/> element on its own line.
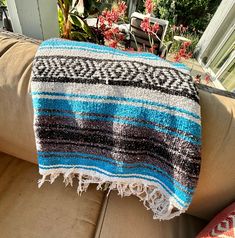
<point x="124" y="118"/>
<point x="184" y="152"/>
<point x="117" y="83"/>
<point x="126" y="147"/>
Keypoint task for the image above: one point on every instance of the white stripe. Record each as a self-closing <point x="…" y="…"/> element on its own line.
<point x="117" y="91"/>
<point x="154" y="108"/>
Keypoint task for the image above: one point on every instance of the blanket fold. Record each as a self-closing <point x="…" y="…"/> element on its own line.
<point x="127" y="121"/>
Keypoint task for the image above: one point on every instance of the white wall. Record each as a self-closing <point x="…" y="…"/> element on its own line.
<point x="34" y="18"/>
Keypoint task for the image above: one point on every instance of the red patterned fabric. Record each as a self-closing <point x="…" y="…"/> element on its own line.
<point x="222" y="226"/>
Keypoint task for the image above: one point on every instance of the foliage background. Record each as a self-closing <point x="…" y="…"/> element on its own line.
<point x="193" y="13"/>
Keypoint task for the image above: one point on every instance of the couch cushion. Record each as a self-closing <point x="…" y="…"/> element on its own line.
<point x="215" y="189"/>
<point x="52" y="211"/>
<point x="126" y="218"/>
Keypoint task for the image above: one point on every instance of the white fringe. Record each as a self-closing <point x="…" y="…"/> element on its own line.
<point x="154" y="197"/>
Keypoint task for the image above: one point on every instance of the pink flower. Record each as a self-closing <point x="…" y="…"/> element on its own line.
<point x="149" y="5"/>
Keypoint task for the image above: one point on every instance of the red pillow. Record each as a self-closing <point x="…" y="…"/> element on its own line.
<point x="223" y="225"/>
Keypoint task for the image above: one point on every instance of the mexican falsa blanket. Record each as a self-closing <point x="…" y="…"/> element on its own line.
<point x="126" y="121"/>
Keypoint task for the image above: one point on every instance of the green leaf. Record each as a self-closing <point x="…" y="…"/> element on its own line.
<point x="77" y="21"/>
<point x="76" y="35"/>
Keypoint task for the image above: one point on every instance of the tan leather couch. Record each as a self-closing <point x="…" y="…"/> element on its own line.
<point x="56" y="211"/>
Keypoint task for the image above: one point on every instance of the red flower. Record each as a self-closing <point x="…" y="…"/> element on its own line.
<point x="189" y="55"/>
<point x="149" y="5"/>
<point x="122" y="8"/>
<point x="120" y="37"/>
<point x="186" y="44"/>
<point x="207" y="78"/>
<point x="155" y="27"/>
<point x="113" y="44"/>
<point x="108" y="34"/>
<point x="145" y="25"/>
<point x="182" y="52"/>
<point x="130" y="49"/>
<point x="152" y="49"/>
<point x="177" y="58"/>
<point x="115" y="30"/>
<point x="102" y="21"/>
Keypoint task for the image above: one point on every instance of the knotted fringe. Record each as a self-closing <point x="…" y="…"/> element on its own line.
<point x="153" y="197"/>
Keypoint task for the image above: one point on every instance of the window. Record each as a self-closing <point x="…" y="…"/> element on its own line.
<point x="217" y="47"/>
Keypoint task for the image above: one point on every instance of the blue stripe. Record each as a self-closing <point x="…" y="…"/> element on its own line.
<point x="44" y="155"/>
<point x="109" y="50"/>
<point x="180" y="65"/>
<point x="100" y="51"/>
<point x="157" y="178"/>
<point x="58" y="43"/>
<point x="54" y="43"/>
<point x="183" y="204"/>
<point x="147" y="102"/>
<point x="126" y="111"/>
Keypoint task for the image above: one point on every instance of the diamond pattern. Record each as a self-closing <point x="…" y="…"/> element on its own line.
<point x="119" y="71"/>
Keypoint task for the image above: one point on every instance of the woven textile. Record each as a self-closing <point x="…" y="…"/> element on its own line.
<point x="126" y="121"/>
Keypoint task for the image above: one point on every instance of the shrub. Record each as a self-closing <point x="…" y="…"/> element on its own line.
<point x="193" y="13"/>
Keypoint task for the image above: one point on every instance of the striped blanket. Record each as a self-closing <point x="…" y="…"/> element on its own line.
<point x="127" y="121"/>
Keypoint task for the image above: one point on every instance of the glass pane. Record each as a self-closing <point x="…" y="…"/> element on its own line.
<point x="228" y="77"/>
<point x="224" y="54"/>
